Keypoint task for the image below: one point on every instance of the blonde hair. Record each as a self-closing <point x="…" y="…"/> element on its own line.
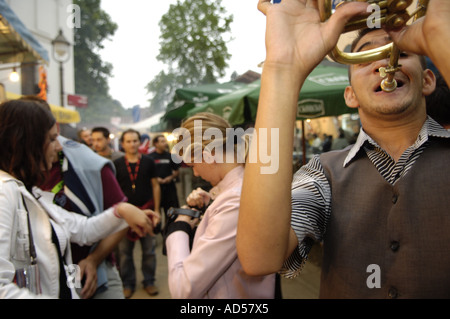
<point x="217" y="135"/>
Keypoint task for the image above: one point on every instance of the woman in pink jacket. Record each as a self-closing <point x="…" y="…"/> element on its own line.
<point x="212" y="268"/>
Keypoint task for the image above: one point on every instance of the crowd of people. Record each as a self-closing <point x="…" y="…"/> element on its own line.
<point x="328" y="142"/>
<point x="145" y="177"/>
<point x="67" y="205"/>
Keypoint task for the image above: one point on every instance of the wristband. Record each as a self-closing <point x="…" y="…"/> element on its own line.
<point x="176" y="226"/>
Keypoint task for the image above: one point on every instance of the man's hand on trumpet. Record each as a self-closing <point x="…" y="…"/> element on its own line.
<point x="429" y="36"/>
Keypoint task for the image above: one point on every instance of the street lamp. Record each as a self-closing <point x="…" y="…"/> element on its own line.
<point x="14" y="76"/>
<point x="61" y="53"/>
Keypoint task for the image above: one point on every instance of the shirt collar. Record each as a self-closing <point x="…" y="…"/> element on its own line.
<point x="429" y="128"/>
<point x="232" y="176"/>
<point x="4" y="176"/>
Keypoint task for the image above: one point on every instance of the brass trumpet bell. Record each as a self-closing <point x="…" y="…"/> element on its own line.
<point x="389" y="14"/>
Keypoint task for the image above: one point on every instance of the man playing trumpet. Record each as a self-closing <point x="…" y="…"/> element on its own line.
<point x="380" y="207"/>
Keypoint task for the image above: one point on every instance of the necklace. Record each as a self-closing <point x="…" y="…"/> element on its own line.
<point x="133" y="177"/>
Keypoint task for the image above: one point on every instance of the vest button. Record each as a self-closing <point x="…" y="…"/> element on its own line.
<point x="394" y="198"/>
<point x="395" y="245"/>
<point x="392" y="293"/>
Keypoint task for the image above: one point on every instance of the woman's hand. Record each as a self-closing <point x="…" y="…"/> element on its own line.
<point x="198" y="198"/>
<point x="154" y="216"/>
<point x="88" y="271"/>
<point x="136" y="218"/>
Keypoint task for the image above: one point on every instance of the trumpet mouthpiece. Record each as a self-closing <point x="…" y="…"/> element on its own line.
<point x="388" y="86"/>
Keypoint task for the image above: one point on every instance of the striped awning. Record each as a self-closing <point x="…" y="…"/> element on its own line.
<point x="17" y="44"/>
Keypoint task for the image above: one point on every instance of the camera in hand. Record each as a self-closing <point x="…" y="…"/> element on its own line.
<point x="174" y="212"/>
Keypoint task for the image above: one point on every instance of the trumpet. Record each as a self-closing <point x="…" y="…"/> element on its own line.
<point x="391" y="14"/>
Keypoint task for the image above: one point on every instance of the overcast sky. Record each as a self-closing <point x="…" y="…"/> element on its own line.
<point x="135" y="45"/>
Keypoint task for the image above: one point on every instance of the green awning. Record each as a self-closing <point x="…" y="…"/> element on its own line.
<point x="322" y="95"/>
<point x="236" y="107"/>
<point x="189" y="98"/>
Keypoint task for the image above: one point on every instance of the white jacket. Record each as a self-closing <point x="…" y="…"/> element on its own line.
<point x="69" y="227"/>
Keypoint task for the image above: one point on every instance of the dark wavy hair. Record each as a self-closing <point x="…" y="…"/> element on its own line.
<point x="24" y="126"/>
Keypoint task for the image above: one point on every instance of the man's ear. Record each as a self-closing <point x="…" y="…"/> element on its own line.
<point x="350" y="97"/>
<point x="429" y="82"/>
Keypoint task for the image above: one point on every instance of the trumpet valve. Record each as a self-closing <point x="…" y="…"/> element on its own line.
<point x="397" y="20"/>
<point x="382" y="71"/>
<point x="398" y="5"/>
<point x="390" y="70"/>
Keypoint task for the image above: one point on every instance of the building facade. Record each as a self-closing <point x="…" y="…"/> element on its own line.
<point x="44" y="19"/>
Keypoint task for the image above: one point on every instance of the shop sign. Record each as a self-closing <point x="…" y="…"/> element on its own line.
<point x="77" y="100"/>
<point x="310" y="108"/>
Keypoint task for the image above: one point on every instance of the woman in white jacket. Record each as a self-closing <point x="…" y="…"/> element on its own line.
<point x="28" y="135"/>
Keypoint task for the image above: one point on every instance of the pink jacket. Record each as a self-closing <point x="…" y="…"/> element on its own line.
<point x="212" y="269"/>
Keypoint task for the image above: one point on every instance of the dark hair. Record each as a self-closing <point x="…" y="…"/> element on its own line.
<point x="130" y="130"/>
<point x="35" y="98"/>
<point x="156" y="138"/>
<point x="24" y="126"/>
<point x="103" y="130"/>
<point x="438" y="102"/>
<point x="359" y="35"/>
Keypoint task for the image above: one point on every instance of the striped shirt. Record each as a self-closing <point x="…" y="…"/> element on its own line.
<point x="311" y="192"/>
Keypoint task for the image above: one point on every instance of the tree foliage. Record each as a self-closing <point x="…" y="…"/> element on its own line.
<point x="91" y="72"/>
<point x="192" y="47"/>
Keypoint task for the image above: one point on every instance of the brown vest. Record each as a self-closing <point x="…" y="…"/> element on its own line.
<point x="404" y="228"/>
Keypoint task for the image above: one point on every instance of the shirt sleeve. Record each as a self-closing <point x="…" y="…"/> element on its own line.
<point x="311" y="206"/>
<point x="151" y="168"/>
<point x="112" y="193"/>
<point x="81" y="229"/>
<point x="191" y="274"/>
<point x="173" y="165"/>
